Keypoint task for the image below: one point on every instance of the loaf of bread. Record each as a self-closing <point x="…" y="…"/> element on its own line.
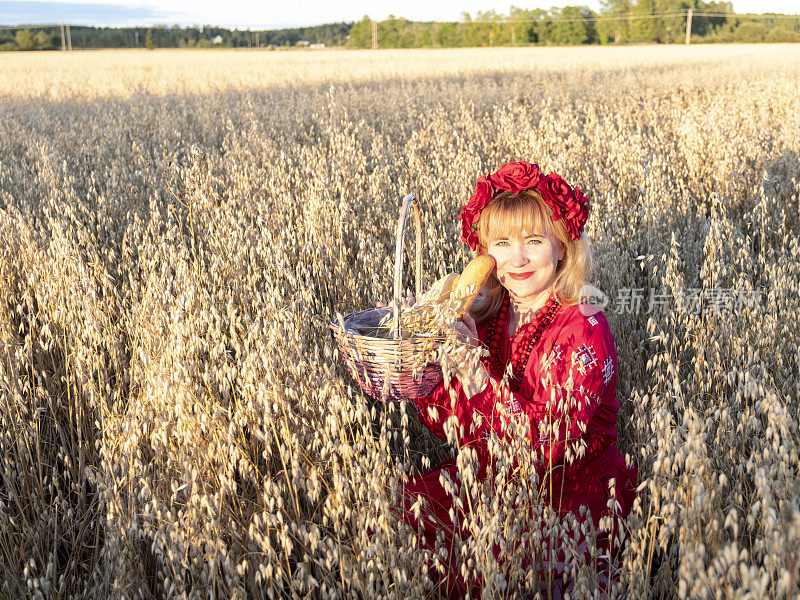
<point x="462" y="289"/>
<point x="471" y="282"/>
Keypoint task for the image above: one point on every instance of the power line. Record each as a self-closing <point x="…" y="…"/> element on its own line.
<point x="631" y="17"/>
<point x="628" y="17"/>
<point x="748" y="15"/>
<point x="544" y="18"/>
<point x="47" y="26"/>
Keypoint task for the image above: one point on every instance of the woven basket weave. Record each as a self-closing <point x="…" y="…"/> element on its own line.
<point x="383" y="367"/>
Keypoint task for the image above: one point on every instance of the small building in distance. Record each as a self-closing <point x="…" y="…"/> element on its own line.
<point x="303" y="43"/>
<point x="317" y="46"/>
<point x="216" y="40"/>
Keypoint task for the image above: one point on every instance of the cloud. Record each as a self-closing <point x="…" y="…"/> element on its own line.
<point x="33" y="13"/>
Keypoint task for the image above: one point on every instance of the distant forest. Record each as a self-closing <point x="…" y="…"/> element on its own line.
<point x="618" y="22"/>
<point x="43" y="38"/>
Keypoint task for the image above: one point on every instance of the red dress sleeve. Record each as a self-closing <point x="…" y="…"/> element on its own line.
<point x="443" y="402"/>
<point x="434" y="410"/>
<point x="568" y="378"/>
<point x="574" y="388"/>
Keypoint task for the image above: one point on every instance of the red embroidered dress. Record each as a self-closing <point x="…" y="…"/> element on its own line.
<point x="572" y="346"/>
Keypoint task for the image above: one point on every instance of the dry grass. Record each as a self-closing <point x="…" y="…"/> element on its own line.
<point x="174" y="421"/>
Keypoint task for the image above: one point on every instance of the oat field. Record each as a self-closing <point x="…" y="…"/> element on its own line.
<point x="177" y="228"/>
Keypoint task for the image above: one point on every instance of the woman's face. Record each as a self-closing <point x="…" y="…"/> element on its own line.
<point x="526" y="264"/>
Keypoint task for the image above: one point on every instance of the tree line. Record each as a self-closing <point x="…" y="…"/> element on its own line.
<point x="617" y="22"/>
<point x="46" y="38"/>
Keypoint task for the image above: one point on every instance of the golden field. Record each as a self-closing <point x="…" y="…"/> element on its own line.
<point x="177" y="228"/>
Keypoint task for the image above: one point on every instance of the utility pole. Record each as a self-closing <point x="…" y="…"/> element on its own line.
<point x="374" y="34"/>
<point x="63" y="41"/>
<point x="137" y="38"/>
<point x="689" y="27"/>
<point x="513" y="34"/>
<point x="69" y="40"/>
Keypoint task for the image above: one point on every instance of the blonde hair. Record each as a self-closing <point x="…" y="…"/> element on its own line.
<point x="509" y="213"/>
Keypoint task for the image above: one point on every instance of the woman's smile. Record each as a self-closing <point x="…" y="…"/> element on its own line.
<point x="520" y="276"/>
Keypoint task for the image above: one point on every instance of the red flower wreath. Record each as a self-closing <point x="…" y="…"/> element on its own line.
<point x="567" y="203"/>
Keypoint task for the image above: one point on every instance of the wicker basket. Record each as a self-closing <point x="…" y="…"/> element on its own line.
<point x="383" y="367"/>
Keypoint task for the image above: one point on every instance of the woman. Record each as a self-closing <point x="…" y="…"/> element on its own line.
<point x="530" y="319"/>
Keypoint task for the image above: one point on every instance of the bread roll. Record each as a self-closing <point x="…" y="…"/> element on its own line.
<point x="472" y="280"/>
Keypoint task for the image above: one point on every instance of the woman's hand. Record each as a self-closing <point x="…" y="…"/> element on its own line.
<point x="467" y="331"/>
<point x="465" y="358"/>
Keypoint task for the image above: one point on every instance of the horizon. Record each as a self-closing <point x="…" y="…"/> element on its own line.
<point x="243" y="16"/>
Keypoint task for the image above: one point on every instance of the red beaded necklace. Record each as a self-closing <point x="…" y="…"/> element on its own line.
<point x="530" y="332"/>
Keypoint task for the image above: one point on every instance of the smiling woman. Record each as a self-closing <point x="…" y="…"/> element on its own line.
<point x="550" y="366"/>
<point x="523" y="238"/>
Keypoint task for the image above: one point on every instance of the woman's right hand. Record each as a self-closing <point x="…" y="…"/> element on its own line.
<point x="469" y="370"/>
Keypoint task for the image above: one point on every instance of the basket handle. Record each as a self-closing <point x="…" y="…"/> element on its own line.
<point x="408" y="201"/>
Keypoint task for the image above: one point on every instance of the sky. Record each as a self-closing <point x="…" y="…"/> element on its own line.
<point x="272" y="14"/>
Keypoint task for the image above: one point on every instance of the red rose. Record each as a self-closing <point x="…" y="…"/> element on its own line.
<point x="557" y="194"/>
<point x="576" y="219"/>
<point x="469" y="237"/>
<point x="569" y="204"/>
<point x="577" y="205"/>
<point x="484" y="192"/>
<point x="516" y="176"/>
<point x="577" y="215"/>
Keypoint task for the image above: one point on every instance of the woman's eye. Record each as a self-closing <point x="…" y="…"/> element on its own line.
<point x="501" y="243"/>
<point x="534" y="241"/>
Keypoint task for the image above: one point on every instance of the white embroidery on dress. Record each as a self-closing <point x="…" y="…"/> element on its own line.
<point x="512" y="405"/>
<point x="585" y="357"/>
<point x="608" y="370"/>
<point x="552" y="358"/>
<point x="593" y="321"/>
<point x="485" y="434"/>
